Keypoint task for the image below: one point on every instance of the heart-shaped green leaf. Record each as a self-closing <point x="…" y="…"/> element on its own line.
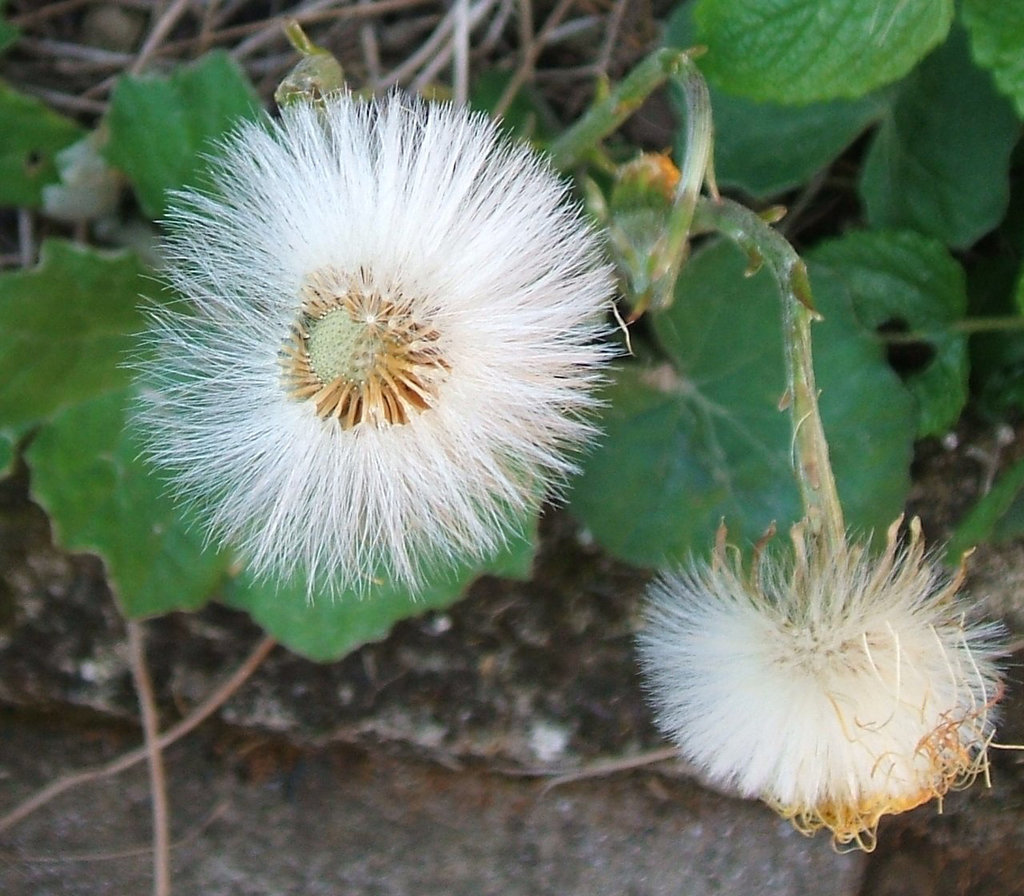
<point x="795" y="51"/>
<point x="324" y="630"/>
<point x="905" y="284"/>
<point x="161" y="127"/>
<point x="940" y="162"/>
<point x="66" y="327"/>
<point x="88" y="474"/>
<point x="765" y="148"/>
<point x="701" y="438"/>
<point x="32" y="135"/>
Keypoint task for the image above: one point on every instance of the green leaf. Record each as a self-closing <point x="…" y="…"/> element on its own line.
<point x="32" y="135"/>
<point x="702" y="439"/>
<point x="325" y="630"/>
<point x="997" y="372"/>
<point x="6" y="454"/>
<point x="523" y="117"/>
<point x="802" y="140"/>
<point x="88" y="474"/>
<point x="940" y="162"/>
<point x="766" y="148"/>
<point x="995" y="289"/>
<point x="65" y="328"/>
<point x="903" y="282"/>
<point x="8" y="33"/>
<point x="161" y="128"/>
<point x="998" y="515"/>
<point x="997" y="40"/>
<point x="795" y="51"/>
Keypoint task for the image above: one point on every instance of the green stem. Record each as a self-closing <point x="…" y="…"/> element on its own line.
<point x="764" y="245"/>
<point x="670" y="251"/>
<point x="298" y="39"/>
<point x="967" y="327"/>
<point x="608" y="113"/>
<point x="972" y="325"/>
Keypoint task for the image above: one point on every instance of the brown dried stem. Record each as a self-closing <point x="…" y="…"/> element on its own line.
<point x="530" y="52"/>
<point x="157" y="778"/>
<point x="202" y="712"/>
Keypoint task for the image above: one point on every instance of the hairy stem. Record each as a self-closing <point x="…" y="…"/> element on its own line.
<point x="610" y="111"/>
<point x="671" y="249"/>
<point x="764" y="245"/>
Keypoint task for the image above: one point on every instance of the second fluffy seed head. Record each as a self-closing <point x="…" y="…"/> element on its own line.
<point x="837" y="686"/>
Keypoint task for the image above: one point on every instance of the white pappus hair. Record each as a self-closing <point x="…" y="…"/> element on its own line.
<point x="837" y="686"/>
<point x="388" y="344"/>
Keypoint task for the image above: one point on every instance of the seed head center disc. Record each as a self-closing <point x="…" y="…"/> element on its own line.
<point x="361" y="355"/>
<point x="340" y="347"/>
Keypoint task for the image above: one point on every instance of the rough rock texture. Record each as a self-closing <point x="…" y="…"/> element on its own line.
<point x="421" y="764"/>
<point x="333" y="821"/>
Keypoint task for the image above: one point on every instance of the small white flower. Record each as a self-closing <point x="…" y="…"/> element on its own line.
<point x="838" y="687"/>
<point x="390" y="343"/>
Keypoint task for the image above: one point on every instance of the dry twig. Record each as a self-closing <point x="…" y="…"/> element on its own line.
<point x="116" y="855"/>
<point x="607" y="767"/>
<point x="202" y="712"/>
<point x="157" y="778"/>
<point x="156" y="36"/>
<point x="530" y="52"/>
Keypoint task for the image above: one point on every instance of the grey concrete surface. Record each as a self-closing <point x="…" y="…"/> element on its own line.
<point x="333" y="821"/>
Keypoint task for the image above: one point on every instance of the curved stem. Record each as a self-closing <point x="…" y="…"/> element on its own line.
<point x="764" y="245"/>
<point x="613" y="109"/>
<point x="670" y="250"/>
<point x="202" y="712"/>
<point x="968" y="326"/>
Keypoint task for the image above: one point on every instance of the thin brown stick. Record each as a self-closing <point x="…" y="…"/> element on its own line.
<point x="613" y="766"/>
<point x="272" y="29"/>
<point x="524" y="22"/>
<point x="559" y="775"/>
<point x="531" y="52"/>
<point x="207" y="25"/>
<point x="460" y="53"/>
<point x="430" y="50"/>
<point x="65" y="101"/>
<point x="612" y="28"/>
<point x="157" y="777"/>
<point x="119" y="854"/>
<point x="48" y="11"/>
<point x="262" y="33"/>
<point x="152" y="46"/>
<point x="223" y="10"/>
<point x="64" y="51"/>
<point x="205" y="709"/>
<point x="476" y="14"/>
<point x="484" y="47"/>
<point x="156" y="36"/>
<point x="371" y="50"/>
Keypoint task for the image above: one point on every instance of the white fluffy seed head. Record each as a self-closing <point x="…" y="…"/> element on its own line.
<point x="389" y="345"/>
<point x="836" y="686"/>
